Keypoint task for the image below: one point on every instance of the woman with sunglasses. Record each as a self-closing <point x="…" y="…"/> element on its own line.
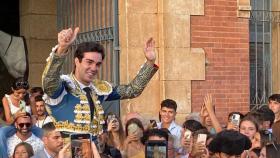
<point x="14" y="103"/>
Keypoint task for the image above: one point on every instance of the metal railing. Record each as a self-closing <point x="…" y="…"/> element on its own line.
<point x="260" y="52"/>
<point x="98" y="22"/>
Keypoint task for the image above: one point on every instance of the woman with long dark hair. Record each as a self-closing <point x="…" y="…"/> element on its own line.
<point x="14" y="103"/>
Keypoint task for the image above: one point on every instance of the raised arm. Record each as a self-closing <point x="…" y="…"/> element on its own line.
<point x="208" y="103"/>
<point x="52" y="83"/>
<point x="137" y="85"/>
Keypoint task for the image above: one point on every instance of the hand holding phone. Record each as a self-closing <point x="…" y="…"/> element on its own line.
<point x="81" y="145"/>
<point x="235" y="119"/>
<point x="187" y="134"/>
<point x="202" y="138"/>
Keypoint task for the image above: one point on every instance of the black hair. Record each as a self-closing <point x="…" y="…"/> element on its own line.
<point x="154" y="132"/>
<point x="169" y="103"/>
<point x="230" y="142"/>
<point x="89" y="47"/>
<point x="38" y="98"/>
<point x="274" y="97"/>
<point x="266" y="114"/>
<point x="257" y="151"/>
<point x="192" y="125"/>
<point x="37" y="89"/>
<point x="20" y="83"/>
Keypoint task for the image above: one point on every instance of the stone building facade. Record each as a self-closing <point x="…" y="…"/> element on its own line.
<point x="202" y="47"/>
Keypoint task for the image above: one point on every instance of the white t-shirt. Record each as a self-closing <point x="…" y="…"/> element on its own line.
<point x="40" y="123"/>
<point x="34" y="141"/>
<point x="14" y="108"/>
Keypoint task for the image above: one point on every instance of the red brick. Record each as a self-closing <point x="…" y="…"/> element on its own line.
<point x="225" y="40"/>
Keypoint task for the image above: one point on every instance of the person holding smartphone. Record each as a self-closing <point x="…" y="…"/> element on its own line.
<point x="116" y="135"/>
<point x="133" y="146"/>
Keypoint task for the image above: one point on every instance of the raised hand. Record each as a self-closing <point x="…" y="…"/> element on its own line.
<point x="149" y="51"/>
<point x="208" y="102"/>
<point x="65" y="39"/>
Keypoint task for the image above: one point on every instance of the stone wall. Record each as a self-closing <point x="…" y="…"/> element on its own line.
<point x="38" y="26"/>
<point x="168" y="22"/>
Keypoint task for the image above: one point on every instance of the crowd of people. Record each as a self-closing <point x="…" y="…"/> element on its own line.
<point x="251" y="135"/>
<point x="42" y="122"/>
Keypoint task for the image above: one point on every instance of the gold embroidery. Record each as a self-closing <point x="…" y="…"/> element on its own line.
<point x="102" y="87"/>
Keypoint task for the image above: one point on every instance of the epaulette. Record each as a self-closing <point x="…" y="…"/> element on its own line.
<point x="102" y="87"/>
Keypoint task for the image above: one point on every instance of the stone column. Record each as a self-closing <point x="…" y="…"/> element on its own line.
<point x="180" y="62"/>
<point x="168" y="22"/>
<point x="275" y="42"/>
<point x="38" y="26"/>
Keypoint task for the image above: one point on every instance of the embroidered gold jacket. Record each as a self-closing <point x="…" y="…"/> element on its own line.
<point x="68" y="105"/>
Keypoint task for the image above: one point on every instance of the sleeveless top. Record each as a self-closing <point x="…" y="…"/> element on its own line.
<point x="14" y="108"/>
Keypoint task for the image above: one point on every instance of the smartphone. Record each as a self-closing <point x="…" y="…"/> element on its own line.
<point x="81" y="145"/>
<point x="235" y="119"/>
<point x="202" y="138"/>
<point x="156" y="149"/>
<point x="132" y="128"/>
<point x="187" y="134"/>
<point x="153" y="123"/>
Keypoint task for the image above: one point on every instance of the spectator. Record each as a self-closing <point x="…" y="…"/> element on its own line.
<point x="167" y="117"/>
<point x="266" y="137"/>
<point x="161" y="135"/>
<point x="23" y="150"/>
<point x="23" y="124"/>
<point x="230" y="124"/>
<point x="249" y="126"/>
<point x="229" y="143"/>
<point x="192" y="125"/>
<point x="132" y="146"/>
<point x="35" y="91"/>
<point x="116" y="134"/>
<point x="208" y="117"/>
<point x="42" y="117"/>
<point x="267" y="116"/>
<point x="14" y="103"/>
<point x="52" y="140"/>
<point x="198" y="148"/>
<point x="270" y="151"/>
<point x="255" y="153"/>
<point x="274" y="105"/>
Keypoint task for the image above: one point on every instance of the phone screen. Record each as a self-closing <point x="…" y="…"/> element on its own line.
<point x="187" y="134"/>
<point x="235" y="119"/>
<point x="202" y="138"/>
<point x="81" y="145"/>
<point x="156" y="149"/>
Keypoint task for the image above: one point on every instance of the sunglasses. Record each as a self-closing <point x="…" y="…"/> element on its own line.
<point x="23" y="84"/>
<point x="27" y="125"/>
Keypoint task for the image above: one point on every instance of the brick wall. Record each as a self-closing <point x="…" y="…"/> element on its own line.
<point x="225" y="39"/>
